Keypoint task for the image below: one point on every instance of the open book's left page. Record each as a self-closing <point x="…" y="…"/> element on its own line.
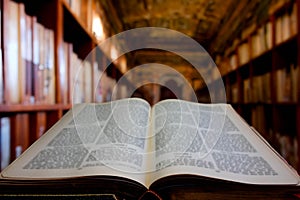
<point x="91" y="139"/>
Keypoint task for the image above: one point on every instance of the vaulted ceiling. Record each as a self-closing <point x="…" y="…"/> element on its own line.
<point x="214" y="24"/>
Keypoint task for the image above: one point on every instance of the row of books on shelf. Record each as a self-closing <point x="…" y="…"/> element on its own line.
<point x="286" y="25"/>
<point x="258" y="88"/>
<point x="28" y="67"/>
<point x="75" y="77"/>
<point x="284" y="142"/>
<point x="88" y="82"/>
<point x="16" y="134"/>
<point x="260" y="91"/>
<point x="259" y="40"/>
<point x="28" y="74"/>
<point x="83" y="9"/>
<point x="80" y="79"/>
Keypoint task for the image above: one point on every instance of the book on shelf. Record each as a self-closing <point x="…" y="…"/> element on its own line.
<point x="233" y="62"/>
<point x="261" y="40"/>
<point x="36" y="81"/>
<point x="79" y="79"/>
<point x="18" y="131"/>
<point x="39" y="121"/>
<point x="28" y="49"/>
<point x="257" y="89"/>
<point x="87" y="84"/>
<point x="258" y="43"/>
<point x="287" y="84"/>
<point x="75" y="73"/>
<point x="108" y="83"/>
<point x="243" y="53"/>
<point x="97" y="91"/>
<point x="286" y="25"/>
<point x="247" y="91"/>
<point x="43" y="63"/>
<point x="73" y="77"/>
<point x="294" y="20"/>
<point x="234" y="93"/>
<point x="286" y="28"/>
<point x="27" y="45"/>
<point x="260" y="92"/>
<point x="288" y="147"/>
<point x="1" y="62"/>
<point x="268" y="35"/>
<point x="258" y="119"/>
<point x="49" y="81"/>
<point x="20" y="136"/>
<point x="266" y="87"/>
<point x="11" y="52"/>
<point x="65" y="72"/>
<point x="295" y="83"/>
<point x="4" y="142"/>
<point x="24" y="60"/>
<point x="128" y="147"/>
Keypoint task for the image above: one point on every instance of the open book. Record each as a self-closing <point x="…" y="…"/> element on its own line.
<point x="128" y="141"/>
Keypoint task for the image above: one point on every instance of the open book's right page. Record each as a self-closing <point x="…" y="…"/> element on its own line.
<point x="212" y="140"/>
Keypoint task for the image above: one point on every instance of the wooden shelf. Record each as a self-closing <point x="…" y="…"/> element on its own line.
<point x="32" y="108"/>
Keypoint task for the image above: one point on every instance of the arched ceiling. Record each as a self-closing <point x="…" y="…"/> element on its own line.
<point x="214" y="24"/>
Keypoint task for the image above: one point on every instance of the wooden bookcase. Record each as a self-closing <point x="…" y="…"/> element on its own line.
<point x="30" y="117"/>
<point x="263" y="85"/>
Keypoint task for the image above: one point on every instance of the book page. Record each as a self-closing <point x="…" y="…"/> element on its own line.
<point x="213" y="141"/>
<point x="92" y="139"/>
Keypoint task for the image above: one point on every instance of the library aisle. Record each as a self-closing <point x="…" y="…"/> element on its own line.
<point x="50" y="60"/>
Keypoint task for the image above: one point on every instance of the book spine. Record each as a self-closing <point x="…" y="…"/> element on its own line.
<point x="51" y="68"/>
<point x="4" y="142"/>
<point x="1" y="56"/>
<point x="87" y="82"/>
<point x="11" y="52"/>
<point x="22" y="53"/>
<point x="244" y="53"/>
<point x="29" y="62"/>
<point x="39" y="122"/>
<point x="35" y="59"/>
<point x="20" y="137"/>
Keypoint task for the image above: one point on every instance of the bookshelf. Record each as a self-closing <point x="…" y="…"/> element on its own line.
<point x="260" y="71"/>
<point x="43" y="46"/>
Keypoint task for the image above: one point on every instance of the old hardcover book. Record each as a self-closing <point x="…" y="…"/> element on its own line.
<point x="11" y="44"/>
<point x="128" y="148"/>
